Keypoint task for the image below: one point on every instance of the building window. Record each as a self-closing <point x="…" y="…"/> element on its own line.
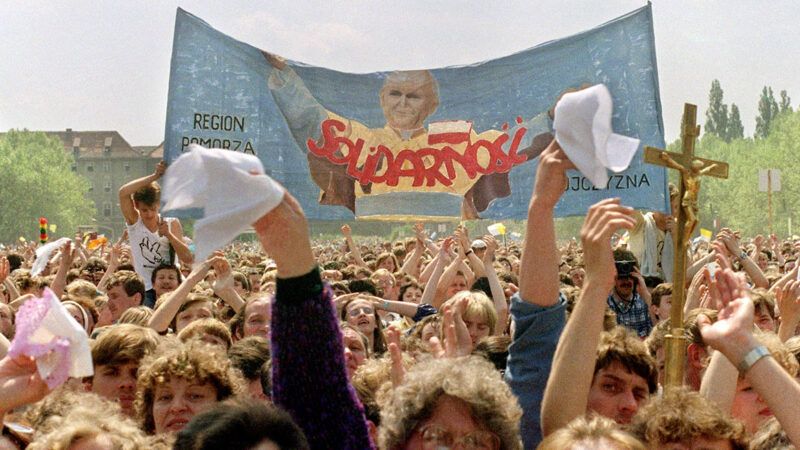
<point x="107" y="209"/>
<point x="107" y="186"/>
<point x="91" y="186"/>
<point x="106" y="166"/>
<point x="127" y="167"/>
<point x="90" y="167"/>
<point x="74" y="168"/>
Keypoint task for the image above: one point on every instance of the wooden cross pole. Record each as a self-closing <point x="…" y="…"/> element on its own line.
<point x="691" y="168"/>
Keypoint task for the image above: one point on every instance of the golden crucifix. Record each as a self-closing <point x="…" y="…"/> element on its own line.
<point x="691" y="168"/>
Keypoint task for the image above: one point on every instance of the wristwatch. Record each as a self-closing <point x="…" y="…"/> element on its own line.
<point x="743" y="255"/>
<point x="752" y="357"/>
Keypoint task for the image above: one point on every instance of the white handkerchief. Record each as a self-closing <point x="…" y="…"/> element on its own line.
<point x="44" y="253"/>
<point x="583" y="129"/>
<point x="47" y="332"/>
<point x="231" y="187"/>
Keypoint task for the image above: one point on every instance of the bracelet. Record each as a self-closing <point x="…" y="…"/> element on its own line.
<point x="385" y="305"/>
<point x="743" y="255"/>
<point x="468" y="252"/>
<point x="752" y="357"/>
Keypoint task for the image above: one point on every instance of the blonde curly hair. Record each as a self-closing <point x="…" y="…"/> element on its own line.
<point x="88" y="422"/>
<point x="193" y="361"/>
<point x="470" y="379"/>
<point x="591" y="432"/>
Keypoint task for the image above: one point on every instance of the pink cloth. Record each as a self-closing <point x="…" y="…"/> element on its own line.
<point x="46" y="332"/>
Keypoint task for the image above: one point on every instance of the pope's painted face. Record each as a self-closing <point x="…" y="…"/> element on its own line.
<point x="408" y="98"/>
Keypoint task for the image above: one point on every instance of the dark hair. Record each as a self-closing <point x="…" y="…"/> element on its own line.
<point x="165" y="266"/>
<point x="482" y="284"/>
<point x="495" y="350"/>
<point x="251" y="356"/>
<point x="148" y="195"/>
<point x="407" y="286"/>
<point x="14" y="261"/>
<point x="240" y="424"/>
<point x="131" y="282"/>
<point x="98" y="264"/>
<point x="363" y="286"/>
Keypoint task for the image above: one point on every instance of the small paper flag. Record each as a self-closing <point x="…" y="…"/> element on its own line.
<point x="497" y="229"/>
<point x="706" y="234"/>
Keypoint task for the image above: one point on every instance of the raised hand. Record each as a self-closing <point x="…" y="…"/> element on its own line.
<point x="602" y="221"/>
<point x="398" y="369"/>
<point x="732" y="332"/>
<point x="283" y="233"/>
<point x="161" y="167"/>
<point x="491" y="247"/>
<point x="20" y="383"/>
<point x="457" y="341"/>
<point x="551" y="175"/>
<point x="5" y="269"/>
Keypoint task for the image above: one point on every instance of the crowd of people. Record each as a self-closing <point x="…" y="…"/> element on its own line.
<point x="456" y="342"/>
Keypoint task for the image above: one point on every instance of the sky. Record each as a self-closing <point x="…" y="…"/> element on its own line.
<point x="104" y="65"/>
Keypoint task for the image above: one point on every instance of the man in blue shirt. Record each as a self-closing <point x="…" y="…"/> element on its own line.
<point x="630" y="299"/>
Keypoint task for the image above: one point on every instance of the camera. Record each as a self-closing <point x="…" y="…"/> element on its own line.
<point x="624" y="268"/>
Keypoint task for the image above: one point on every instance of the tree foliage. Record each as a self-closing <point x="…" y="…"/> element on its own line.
<point x="767" y="112"/>
<point x="38" y="181"/>
<point x="735" y="127"/>
<point x="717" y="112"/>
<point x="736" y="201"/>
<point x="786" y="103"/>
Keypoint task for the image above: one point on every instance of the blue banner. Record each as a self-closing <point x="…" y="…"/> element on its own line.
<point x="439" y="143"/>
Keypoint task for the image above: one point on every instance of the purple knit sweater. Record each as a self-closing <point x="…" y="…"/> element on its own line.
<point x="309" y="377"/>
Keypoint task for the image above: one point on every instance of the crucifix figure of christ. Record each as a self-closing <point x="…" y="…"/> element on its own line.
<point x="691" y="168"/>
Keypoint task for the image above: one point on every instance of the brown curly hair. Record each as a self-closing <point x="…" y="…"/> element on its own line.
<point x="470" y="379"/>
<point x="680" y="415"/>
<point x="193" y="361"/>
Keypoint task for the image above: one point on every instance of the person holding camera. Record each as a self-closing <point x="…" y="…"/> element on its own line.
<point x="630" y="299"/>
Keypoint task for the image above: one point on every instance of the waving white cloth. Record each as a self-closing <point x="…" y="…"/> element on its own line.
<point x="583" y="129"/>
<point x="231" y="188"/>
<point x="46" y="332"/>
<point x="43" y="255"/>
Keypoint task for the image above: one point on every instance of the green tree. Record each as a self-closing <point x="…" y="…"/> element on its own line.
<point x="735" y="127"/>
<point x="717" y="112"/>
<point x="786" y="103"/>
<point x="767" y="111"/>
<point x="38" y="181"/>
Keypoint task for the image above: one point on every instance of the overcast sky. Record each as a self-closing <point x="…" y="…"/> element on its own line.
<point x="104" y="65"/>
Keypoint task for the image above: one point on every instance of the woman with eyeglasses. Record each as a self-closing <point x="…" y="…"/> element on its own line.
<point x="451" y="403"/>
<point x="360" y="313"/>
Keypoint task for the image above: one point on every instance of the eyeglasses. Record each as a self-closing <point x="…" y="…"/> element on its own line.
<point x="355" y="312"/>
<point x="435" y="437"/>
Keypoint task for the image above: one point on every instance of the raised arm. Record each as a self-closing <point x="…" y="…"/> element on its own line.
<point x="223" y="285"/>
<point x="64" y="264"/>
<point x="475" y="263"/>
<point x="411" y="262"/>
<point x="749" y="266"/>
<point x="537" y="310"/>
<point x="127" y="190"/>
<point x="732" y="335"/>
<point x="173" y="230"/>
<point x="354" y="250"/>
<point x="113" y="263"/>
<point x="567" y="392"/>
<point x="538" y="268"/>
<point x="308" y="367"/>
<point x="164" y="314"/>
<point x="437" y="268"/>
<point x="498" y="296"/>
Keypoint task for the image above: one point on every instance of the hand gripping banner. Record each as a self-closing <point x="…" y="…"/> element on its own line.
<point x="454" y="142"/>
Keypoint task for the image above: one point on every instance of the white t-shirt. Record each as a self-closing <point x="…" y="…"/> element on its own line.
<point x="148" y="250"/>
